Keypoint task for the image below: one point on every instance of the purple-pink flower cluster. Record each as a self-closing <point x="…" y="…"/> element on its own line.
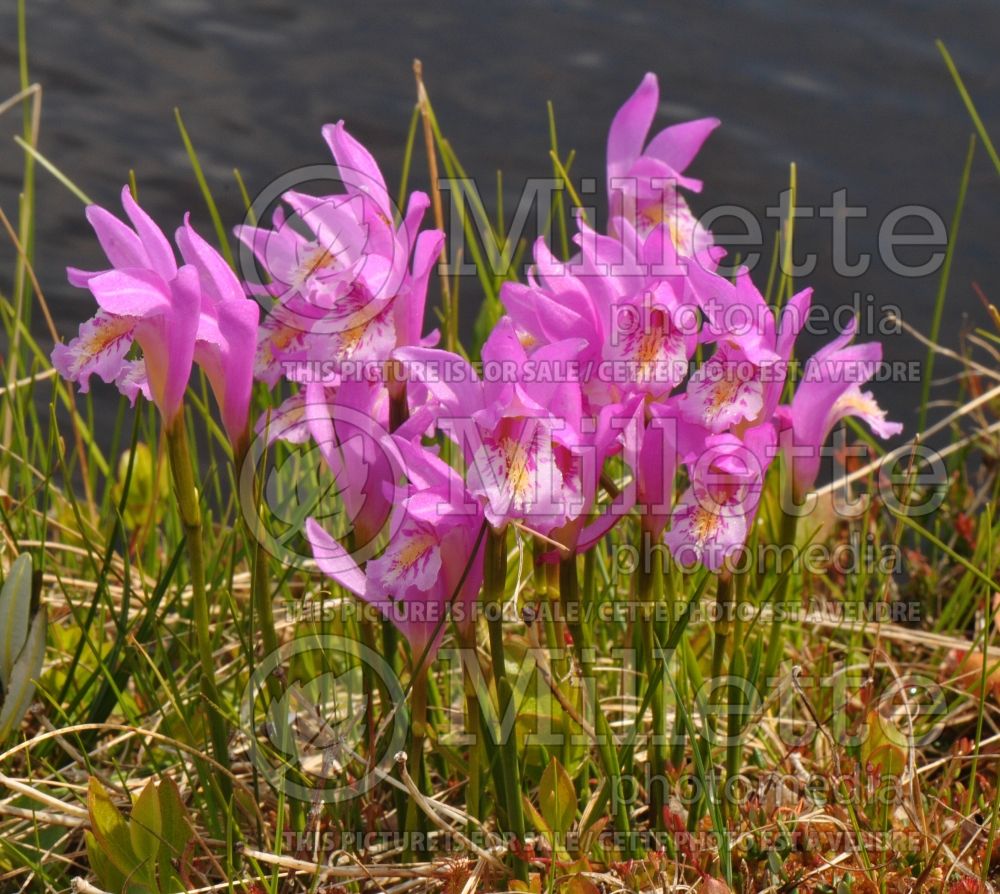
<point x="197" y="312"/>
<point x="634" y="350"/>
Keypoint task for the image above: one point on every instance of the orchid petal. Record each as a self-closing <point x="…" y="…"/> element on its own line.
<point x="358" y="169"/>
<point x="630" y="127"/>
<point x="120" y="243"/>
<point x="100" y="348"/>
<point x="218" y="281"/>
<point x="333" y="560"/>
<point x="131" y="292"/>
<point x="678" y="144"/>
<point x="157" y="248"/>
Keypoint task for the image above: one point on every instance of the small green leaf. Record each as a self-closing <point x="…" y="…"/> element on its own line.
<point x="175" y="826"/>
<point x="557" y="797"/>
<point x="145" y="824"/>
<point x="176" y="834"/>
<point x="109" y="876"/>
<point x="537" y="820"/>
<point x="15" y="612"/>
<point x="20" y="688"/>
<point x="885" y="746"/>
<point x="110" y="829"/>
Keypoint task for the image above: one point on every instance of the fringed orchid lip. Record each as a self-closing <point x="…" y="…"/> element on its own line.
<point x="100" y="348"/>
<point x="721" y="394"/>
<point x="317" y="260"/>
<point x="855" y="402"/>
<point x="137" y="306"/>
<point x="706" y="525"/>
<point x="515" y="472"/>
<point x="705" y="533"/>
<point x="649" y="358"/>
<point x="412" y="559"/>
<point x="279" y="342"/>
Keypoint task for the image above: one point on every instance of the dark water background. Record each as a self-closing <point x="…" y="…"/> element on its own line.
<point x="854" y="92"/>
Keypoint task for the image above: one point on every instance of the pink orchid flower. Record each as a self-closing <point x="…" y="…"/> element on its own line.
<point x="177" y="315"/>
<point x="517" y="426"/>
<point x="643" y="179"/>
<point x="305" y="274"/>
<point x="349" y="426"/>
<point x="740" y="384"/>
<point x="828" y="392"/>
<point x="308" y="265"/>
<point x="431" y="557"/>
<point x="227" y="333"/>
<point x="346" y="292"/>
<point x="713" y="517"/>
<point x="143" y="299"/>
<point x="629" y="303"/>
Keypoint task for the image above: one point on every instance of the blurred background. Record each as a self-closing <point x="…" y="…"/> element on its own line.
<point x="854" y="92"/>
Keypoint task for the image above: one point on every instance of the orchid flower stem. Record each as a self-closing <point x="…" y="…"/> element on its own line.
<point x="678" y="738"/>
<point x="589" y="595"/>
<point x="262" y="596"/>
<point x="650" y="575"/>
<point x="190" y="510"/>
<point x="415" y="823"/>
<point x="562" y="662"/>
<point x="366" y="632"/>
<point x="263" y="608"/>
<point x="555" y="641"/>
<point x="398" y="414"/>
<point x="678" y="733"/>
<point x="737" y="671"/>
<point x="723" y="623"/>
<point x="390" y="644"/>
<point x="583" y="643"/>
<point x="723" y="628"/>
<point x="494" y="583"/>
<point x="728" y="628"/>
<point x="789" y="525"/>
<point x="474" y="784"/>
<point x="259" y="570"/>
<point x="552" y="619"/>
<point x="473" y="727"/>
<point x="435" y="720"/>
<point x="376" y="695"/>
